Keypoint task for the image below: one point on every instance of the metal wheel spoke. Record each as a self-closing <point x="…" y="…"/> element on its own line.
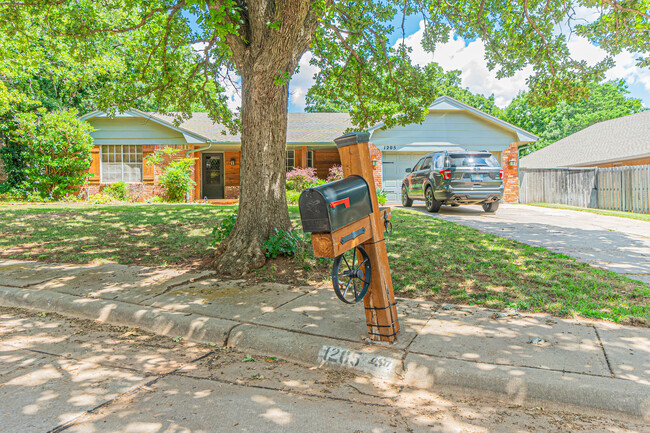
<point x="346" y="261"/>
<point x="347" y="286"/>
<point x="364" y="261"/>
<point x="354" y="283"/>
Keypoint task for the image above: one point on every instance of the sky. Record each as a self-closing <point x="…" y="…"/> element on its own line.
<point x="468" y="57"/>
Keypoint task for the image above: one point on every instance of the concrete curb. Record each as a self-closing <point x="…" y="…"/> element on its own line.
<point x="192" y="327"/>
<point x="524" y="383"/>
<point x="419" y="371"/>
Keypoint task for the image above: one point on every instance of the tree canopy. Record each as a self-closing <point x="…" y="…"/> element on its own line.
<point x="608" y="100"/>
<point x="256" y="45"/>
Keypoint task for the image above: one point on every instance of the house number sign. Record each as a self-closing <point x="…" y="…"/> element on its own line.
<point x="355" y="360"/>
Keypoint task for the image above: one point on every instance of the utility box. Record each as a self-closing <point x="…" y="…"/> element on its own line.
<point x="337" y="215"/>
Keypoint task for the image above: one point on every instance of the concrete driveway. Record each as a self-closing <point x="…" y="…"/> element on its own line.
<point x="618" y="244"/>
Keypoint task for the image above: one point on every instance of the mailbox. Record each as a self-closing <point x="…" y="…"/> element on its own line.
<point x="337" y="214"/>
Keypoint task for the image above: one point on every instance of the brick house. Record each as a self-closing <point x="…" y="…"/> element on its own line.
<point x="123" y="142"/>
<point x="612" y="143"/>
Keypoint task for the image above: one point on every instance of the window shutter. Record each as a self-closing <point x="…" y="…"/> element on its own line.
<point x="147" y="170"/>
<point x="94" y="166"/>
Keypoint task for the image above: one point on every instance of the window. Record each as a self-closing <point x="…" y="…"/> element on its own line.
<point x="291" y="159"/>
<point x="438" y="163"/>
<point x="473" y="160"/>
<point x="310" y="158"/>
<point x="121" y="163"/>
<point x="427" y="164"/>
<point x="418" y="165"/>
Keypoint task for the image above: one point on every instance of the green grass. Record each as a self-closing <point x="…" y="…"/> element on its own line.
<point x="430" y="258"/>
<point x="127" y="234"/>
<point x="631" y="215"/>
<point x="444" y="261"/>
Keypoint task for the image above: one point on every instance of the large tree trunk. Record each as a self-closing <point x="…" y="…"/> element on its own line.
<point x="262" y="200"/>
<point x="266" y="57"/>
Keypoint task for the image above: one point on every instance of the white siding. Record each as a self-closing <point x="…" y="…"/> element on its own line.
<point x="139" y="131"/>
<point x="455" y="128"/>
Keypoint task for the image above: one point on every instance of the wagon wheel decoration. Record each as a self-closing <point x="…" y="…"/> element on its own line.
<point x="351" y="275"/>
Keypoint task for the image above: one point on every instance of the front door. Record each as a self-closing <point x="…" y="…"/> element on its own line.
<point x="213" y="175"/>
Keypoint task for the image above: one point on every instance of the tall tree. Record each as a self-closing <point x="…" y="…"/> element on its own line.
<point x="607" y="100"/>
<point x="263" y="40"/>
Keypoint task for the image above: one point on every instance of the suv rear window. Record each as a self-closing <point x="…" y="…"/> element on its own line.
<point x="472" y="160"/>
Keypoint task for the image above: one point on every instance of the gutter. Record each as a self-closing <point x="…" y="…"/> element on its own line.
<point x="187" y="155"/>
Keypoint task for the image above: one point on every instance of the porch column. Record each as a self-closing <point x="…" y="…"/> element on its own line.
<point x="303" y="157"/>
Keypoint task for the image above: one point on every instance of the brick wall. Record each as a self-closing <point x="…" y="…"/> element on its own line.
<point x="147" y="189"/>
<point x="375" y="155"/>
<point x="510" y="174"/>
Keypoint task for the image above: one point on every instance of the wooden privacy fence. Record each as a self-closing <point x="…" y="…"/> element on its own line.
<point x="614" y="188"/>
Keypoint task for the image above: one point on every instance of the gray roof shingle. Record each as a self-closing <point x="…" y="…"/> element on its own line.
<point x="617" y="139"/>
<point x="302" y="127"/>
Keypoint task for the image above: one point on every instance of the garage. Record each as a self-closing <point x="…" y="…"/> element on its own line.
<point x="394" y="165"/>
<point x="449" y="125"/>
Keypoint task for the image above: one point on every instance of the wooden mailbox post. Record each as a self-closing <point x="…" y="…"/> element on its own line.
<point x="380" y="307"/>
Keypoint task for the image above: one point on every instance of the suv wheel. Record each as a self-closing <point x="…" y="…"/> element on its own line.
<point x="433" y="205"/>
<point x="406" y="201"/>
<point x="491" y="207"/>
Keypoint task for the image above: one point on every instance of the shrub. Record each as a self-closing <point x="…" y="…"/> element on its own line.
<point x="176" y="178"/>
<point x="299" y="179"/>
<point x="155" y="199"/>
<point x="381" y="196"/>
<point x="293" y="196"/>
<point x="100" y="198"/>
<point x="282" y="243"/>
<point x="335" y="173"/>
<point x="118" y="190"/>
<point x="11" y="157"/>
<point x="223" y="230"/>
<point x="56" y="151"/>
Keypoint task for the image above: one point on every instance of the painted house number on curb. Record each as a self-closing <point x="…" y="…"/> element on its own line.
<point x="357" y="360"/>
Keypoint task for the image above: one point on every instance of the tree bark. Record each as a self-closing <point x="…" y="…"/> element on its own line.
<point x="266" y="57"/>
<point x="262" y="200"/>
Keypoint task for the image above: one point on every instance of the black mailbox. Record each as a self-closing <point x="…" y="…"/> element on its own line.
<point x="333" y="205"/>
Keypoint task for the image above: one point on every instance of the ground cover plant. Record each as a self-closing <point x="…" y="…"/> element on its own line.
<point x="430" y="258"/>
<point x="616" y="213"/>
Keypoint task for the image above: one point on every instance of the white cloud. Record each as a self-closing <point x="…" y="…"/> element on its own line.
<point x="469" y="58"/>
<point x="302" y="81"/>
<point x="625" y="62"/>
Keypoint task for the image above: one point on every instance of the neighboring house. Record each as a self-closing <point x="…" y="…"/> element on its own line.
<point x="123" y="142"/>
<point x="612" y="143"/>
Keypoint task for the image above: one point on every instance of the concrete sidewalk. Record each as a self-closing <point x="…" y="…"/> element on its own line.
<point x="527" y="357"/>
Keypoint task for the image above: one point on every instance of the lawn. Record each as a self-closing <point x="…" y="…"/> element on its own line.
<point x="127" y="234"/>
<point x="430" y="258"/>
<point x="631" y="215"/>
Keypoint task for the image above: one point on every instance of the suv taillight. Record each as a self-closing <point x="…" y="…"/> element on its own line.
<point x="501" y="174"/>
<point x="446" y="174"/>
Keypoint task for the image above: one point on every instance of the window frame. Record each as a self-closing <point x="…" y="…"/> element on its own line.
<point x="293" y="158"/>
<point x="310" y="159"/>
<point x="418" y="164"/>
<point x="122" y="163"/>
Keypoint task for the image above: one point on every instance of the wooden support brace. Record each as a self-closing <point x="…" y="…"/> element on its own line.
<point x="380" y="307"/>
